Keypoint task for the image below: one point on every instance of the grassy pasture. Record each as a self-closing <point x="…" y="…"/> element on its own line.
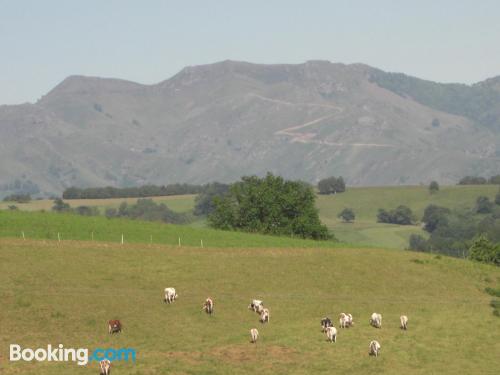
<point x="367" y="200"/>
<point x="65" y="292"/>
<point x="46" y="225"/>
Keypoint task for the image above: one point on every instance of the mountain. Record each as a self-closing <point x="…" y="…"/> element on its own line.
<point x="228" y="119"/>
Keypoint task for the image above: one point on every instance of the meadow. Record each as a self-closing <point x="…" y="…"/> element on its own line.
<point x="65" y="292"/>
<point x="365" y="201"/>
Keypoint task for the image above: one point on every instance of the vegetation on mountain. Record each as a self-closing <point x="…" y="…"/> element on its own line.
<point x="147" y="209"/>
<point x="19" y="198"/>
<point x="131" y="192"/>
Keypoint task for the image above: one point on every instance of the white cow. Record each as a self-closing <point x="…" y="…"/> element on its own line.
<point x="254" y="335"/>
<point x="345" y="320"/>
<point x="170" y="295"/>
<point x="105" y="367"/>
<point x="404" y="322"/>
<point x="376" y="320"/>
<point x="264" y="316"/>
<point x="256" y="305"/>
<point x="374" y="348"/>
<point x="331" y="334"/>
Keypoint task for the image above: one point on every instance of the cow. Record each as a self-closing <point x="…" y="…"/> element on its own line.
<point x="404" y="322"/>
<point x="256" y="305"/>
<point x="345" y="320"/>
<point x="114" y="326"/>
<point x="170" y="295"/>
<point x="376" y="320"/>
<point x="374" y="348"/>
<point x="208" y="306"/>
<point x="325" y="323"/>
<point x="105" y="367"/>
<point x="254" y="335"/>
<point x="264" y="316"/>
<point x="331" y="334"/>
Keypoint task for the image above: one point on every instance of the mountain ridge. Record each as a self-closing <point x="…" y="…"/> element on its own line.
<point x="224" y="120"/>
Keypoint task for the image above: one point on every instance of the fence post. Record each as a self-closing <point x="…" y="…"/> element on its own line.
<point x="122" y="238"/>
<point x="179" y="242"/>
<point x="24" y="238"/>
<point x="92" y="235"/>
<point x="151" y="239"/>
<point x="58" y="237"/>
<point x="201" y="241"/>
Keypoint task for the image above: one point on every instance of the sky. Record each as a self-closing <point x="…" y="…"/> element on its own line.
<point x="43" y="42"/>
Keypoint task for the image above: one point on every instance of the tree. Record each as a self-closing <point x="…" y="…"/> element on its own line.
<point x="472" y="180"/>
<point x="204" y="202"/>
<point x="483" y="250"/>
<point x="347" y="215"/>
<point x="433" y="187"/>
<point x="484" y="205"/>
<point x="401" y="215"/>
<point x="494" y="180"/>
<point x="434" y="216"/>
<point x="331" y="185"/>
<point x="497" y="198"/>
<point x="60" y="205"/>
<point x="418" y="243"/>
<point x="269" y="205"/>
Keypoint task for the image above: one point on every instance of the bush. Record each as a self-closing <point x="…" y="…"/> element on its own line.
<point x="418" y="243"/>
<point x="269" y="205"/>
<point x="204" y="202"/>
<point x="60" y="206"/>
<point x="434" y="216"/>
<point x="331" y="185"/>
<point x="347" y="215"/>
<point x="484" y="251"/>
<point x="484" y="205"/>
<point x="147" y="209"/>
<point x="402" y="215"/>
<point x="433" y="187"/>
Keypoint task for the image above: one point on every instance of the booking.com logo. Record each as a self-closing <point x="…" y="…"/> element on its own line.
<point x="61" y="354"/>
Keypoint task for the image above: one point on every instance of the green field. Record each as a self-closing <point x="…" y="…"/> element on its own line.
<point x="66" y="292"/>
<point x="47" y="225"/>
<point x="366" y="201"/>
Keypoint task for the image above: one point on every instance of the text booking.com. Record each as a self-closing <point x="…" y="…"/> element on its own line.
<point x="59" y="353"/>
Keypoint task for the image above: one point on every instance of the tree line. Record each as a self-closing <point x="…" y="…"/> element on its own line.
<point x="131" y="192"/>
<point x="473" y="233"/>
<point x="475" y="180"/>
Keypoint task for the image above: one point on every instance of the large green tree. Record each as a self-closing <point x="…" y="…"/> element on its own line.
<point x="269" y="205"/>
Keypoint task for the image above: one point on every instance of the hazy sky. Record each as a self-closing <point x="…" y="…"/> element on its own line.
<point x="42" y="42"/>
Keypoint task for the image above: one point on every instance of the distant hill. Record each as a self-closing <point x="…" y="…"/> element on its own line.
<point x="228" y="119"/>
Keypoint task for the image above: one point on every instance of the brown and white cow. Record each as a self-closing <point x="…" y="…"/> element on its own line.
<point x="331" y="334"/>
<point x="208" y="306"/>
<point x="114" y="326"/>
<point x="345" y="320"/>
<point x="374" y="348"/>
<point x="264" y="316"/>
<point x="403" y="319"/>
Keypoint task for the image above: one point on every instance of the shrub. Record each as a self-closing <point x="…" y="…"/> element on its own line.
<point x="484" y="205"/>
<point x="347" y="215"/>
<point x="433" y="187"/>
<point x="483" y="250"/>
<point x="402" y="215"/>
<point x="418" y="243"/>
<point x="331" y="185"/>
<point x="434" y="216"/>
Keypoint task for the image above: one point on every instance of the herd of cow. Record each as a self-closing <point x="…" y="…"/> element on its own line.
<point x="345" y="321"/>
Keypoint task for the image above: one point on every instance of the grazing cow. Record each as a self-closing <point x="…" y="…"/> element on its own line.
<point x="404" y="322"/>
<point x="114" y="326"/>
<point x="254" y="335"/>
<point x="105" y="367"/>
<point x="264" y="316"/>
<point x="170" y="295"/>
<point x="256" y="305"/>
<point x="331" y="334"/>
<point x="376" y="320"/>
<point x="325" y="323"/>
<point x="374" y="348"/>
<point x="345" y="320"/>
<point x="208" y="306"/>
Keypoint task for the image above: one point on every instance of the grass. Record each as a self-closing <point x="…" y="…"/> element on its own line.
<point x="367" y="200"/>
<point x="65" y="292"/>
<point x="47" y="225"/>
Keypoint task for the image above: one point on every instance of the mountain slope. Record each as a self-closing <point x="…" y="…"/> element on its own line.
<point x="224" y="120"/>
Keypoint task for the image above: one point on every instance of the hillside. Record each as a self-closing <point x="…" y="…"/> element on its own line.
<point x="224" y="120"/>
<point x="66" y="292"/>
